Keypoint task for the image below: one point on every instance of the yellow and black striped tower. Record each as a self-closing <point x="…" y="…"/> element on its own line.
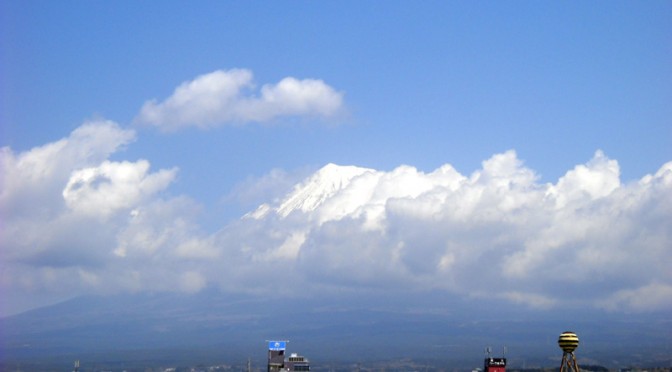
<point x="568" y="342"/>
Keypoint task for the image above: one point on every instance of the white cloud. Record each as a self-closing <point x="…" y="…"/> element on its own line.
<point x="197" y="248"/>
<point x="192" y="282"/>
<point x="36" y="177"/>
<point x="95" y="225"/>
<point x="578" y="242"/>
<point x="652" y="296"/>
<point x="35" y="218"/>
<point x="164" y="228"/>
<point x="112" y="186"/>
<point x="596" y="179"/>
<point x="70" y="214"/>
<point x="226" y="97"/>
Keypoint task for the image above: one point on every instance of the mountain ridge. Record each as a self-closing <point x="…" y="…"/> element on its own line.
<point x="324" y="329"/>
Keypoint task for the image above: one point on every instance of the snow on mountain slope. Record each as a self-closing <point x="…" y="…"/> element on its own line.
<point x="313" y="192"/>
<point x="323" y="185"/>
<point x="335" y="192"/>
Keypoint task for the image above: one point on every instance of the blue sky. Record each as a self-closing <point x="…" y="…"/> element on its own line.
<point x="422" y="84"/>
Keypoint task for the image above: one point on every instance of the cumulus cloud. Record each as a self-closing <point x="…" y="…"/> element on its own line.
<point x="34" y="178"/>
<point x="75" y="221"/>
<point x="71" y="216"/>
<point x="587" y="240"/>
<point x="225" y="97"/>
<point x="112" y="186"/>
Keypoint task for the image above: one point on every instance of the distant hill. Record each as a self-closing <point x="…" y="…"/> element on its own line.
<point x="232" y="328"/>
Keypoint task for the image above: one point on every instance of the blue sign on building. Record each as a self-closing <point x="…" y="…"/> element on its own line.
<point x="277" y="345"/>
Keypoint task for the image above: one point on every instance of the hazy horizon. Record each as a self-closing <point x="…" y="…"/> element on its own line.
<point x="163" y="328"/>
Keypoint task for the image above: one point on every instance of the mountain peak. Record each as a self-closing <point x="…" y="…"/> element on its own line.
<point x="322" y="185"/>
<point x="314" y="190"/>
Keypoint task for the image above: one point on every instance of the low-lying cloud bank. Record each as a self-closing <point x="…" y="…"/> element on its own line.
<point x="74" y="221"/>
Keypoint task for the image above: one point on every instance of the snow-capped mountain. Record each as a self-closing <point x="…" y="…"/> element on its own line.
<point x="314" y="191"/>
<point x="336" y="191"/>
